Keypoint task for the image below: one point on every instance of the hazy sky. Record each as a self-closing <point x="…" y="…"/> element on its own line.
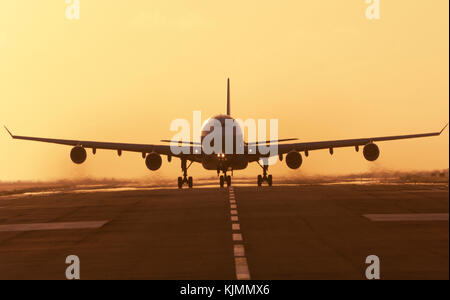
<point x="126" y="69"/>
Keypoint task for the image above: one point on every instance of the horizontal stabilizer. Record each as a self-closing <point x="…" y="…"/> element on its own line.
<point x="271" y="142"/>
<point x="180" y="142"/>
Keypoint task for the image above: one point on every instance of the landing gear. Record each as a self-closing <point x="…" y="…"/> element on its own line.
<point x="185" y="179"/>
<point x="225" y="179"/>
<point x="265" y="177"/>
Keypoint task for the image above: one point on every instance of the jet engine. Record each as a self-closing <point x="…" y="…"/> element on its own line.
<point x="294" y="160"/>
<point x="371" y="152"/>
<point x="153" y="161"/>
<point x="78" y="155"/>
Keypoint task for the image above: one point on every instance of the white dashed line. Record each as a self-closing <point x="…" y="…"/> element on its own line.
<point x="237" y="237"/>
<point x="242" y="272"/>
<point x="240" y="261"/>
<point x="239" y="250"/>
<point x="235" y="226"/>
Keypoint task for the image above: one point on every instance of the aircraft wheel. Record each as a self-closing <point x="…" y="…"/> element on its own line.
<point x="180" y="182"/>
<point x="269" y="180"/>
<point x="260" y="180"/>
<point x="222" y="181"/>
<point x="190" y="182"/>
<point x="228" y="180"/>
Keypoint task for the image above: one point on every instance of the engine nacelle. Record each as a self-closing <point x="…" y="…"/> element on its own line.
<point x="78" y="155"/>
<point x="153" y="161"/>
<point x="371" y="152"/>
<point x="294" y="160"/>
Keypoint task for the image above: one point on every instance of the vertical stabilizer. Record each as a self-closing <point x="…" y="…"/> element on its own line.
<point x="228" y="97"/>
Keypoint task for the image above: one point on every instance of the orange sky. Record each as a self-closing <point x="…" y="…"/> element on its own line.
<point x="126" y="69"/>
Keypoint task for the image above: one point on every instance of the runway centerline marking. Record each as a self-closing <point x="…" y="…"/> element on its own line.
<point x="240" y="261"/>
<point x="52" y="226"/>
<point x="242" y="272"/>
<point x="235" y="226"/>
<point x="239" y="250"/>
<point x="237" y="237"/>
<point x="406" y="217"/>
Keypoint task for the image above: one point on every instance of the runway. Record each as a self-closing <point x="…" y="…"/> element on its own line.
<point x="308" y="231"/>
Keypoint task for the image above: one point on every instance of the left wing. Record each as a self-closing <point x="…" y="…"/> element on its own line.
<point x="143" y="148"/>
<point x="285" y="148"/>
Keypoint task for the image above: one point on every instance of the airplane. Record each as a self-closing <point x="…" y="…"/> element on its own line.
<point x="221" y="162"/>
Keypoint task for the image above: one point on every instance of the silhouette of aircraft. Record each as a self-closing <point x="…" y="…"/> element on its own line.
<point x="221" y="162"/>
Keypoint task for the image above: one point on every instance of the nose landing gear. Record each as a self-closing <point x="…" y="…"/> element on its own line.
<point x="224" y="179"/>
<point x="185" y="179"/>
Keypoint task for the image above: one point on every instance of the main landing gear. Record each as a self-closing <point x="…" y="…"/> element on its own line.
<point x="185" y="179"/>
<point x="224" y="179"/>
<point x="264" y="177"/>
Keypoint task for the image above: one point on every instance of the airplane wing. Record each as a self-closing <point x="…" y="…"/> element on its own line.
<point x="143" y="148"/>
<point x="308" y="146"/>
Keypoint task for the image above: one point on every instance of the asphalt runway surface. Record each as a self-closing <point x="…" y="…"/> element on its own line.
<point x="281" y="232"/>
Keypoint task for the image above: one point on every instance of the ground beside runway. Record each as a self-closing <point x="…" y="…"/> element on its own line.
<point x="289" y="232"/>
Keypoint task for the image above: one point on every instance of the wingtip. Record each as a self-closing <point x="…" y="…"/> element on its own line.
<point x="8" y="131"/>
<point x="445" y="127"/>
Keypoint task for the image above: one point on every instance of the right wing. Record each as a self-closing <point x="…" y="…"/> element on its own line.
<point x="308" y="146"/>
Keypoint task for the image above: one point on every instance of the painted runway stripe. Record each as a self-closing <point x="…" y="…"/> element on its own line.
<point x="241" y="266"/>
<point x="242" y="272"/>
<point x="235" y="226"/>
<point x="237" y="237"/>
<point x="406" y="217"/>
<point x="52" y="226"/>
<point x="239" y="250"/>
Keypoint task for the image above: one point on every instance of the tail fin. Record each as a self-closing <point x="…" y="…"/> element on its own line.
<point x="228" y="97"/>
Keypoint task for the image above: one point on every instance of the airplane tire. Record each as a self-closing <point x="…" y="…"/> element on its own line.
<point x="222" y="181"/>
<point x="228" y="180"/>
<point x="190" y="182"/>
<point x="269" y="180"/>
<point x="180" y="182"/>
<point x="259" y="180"/>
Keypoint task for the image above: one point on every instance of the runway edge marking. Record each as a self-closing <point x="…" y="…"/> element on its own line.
<point x="240" y="260"/>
